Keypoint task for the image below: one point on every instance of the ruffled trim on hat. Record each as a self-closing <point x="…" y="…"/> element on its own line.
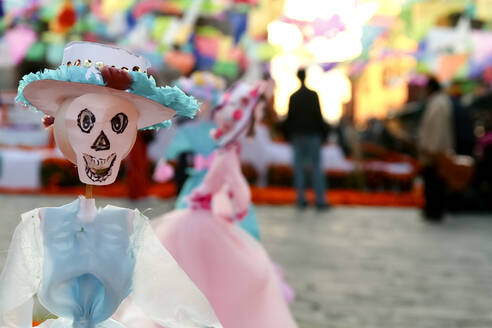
<point x="63" y="73"/>
<point x="142" y="85"/>
<point x="171" y="97"/>
<point x="163" y="125"/>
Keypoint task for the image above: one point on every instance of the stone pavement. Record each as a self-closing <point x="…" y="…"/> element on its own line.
<point x="358" y="267"/>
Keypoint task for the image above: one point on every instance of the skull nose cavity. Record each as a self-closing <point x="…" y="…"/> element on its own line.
<point x="101" y="142"/>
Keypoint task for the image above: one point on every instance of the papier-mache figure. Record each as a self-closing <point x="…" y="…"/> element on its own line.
<point x="195" y="137"/>
<point x="229" y="266"/>
<point x="80" y="261"/>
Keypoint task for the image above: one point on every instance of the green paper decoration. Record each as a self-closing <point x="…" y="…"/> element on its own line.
<point x="36" y="52"/>
<point x="422" y="68"/>
<point x="224" y="68"/>
<point x="462" y="73"/>
<point x="208" y="31"/>
<point x="161" y="24"/>
<point x="267" y="51"/>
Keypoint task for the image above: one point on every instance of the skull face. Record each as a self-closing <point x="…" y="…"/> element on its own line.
<point x="100" y="130"/>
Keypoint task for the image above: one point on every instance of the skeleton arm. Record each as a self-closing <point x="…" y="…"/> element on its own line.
<point x="213" y="182"/>
<point x="215" y="178"/>
<point x="233" y="198"/>
<point x="239" y="192"/>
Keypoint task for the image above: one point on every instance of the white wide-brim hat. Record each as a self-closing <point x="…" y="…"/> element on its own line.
<point x="240" y="91"/>
<point x="81" y="72"/>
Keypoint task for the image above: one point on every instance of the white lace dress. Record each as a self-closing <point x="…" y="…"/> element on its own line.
<point x="82" y="262"/>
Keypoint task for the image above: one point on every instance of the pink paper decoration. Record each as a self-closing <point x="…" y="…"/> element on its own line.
<point x="163" y="172"/>
<point x="449" y="65"/>
<point x="182" y="61"/>
<point x="207" y="46"/>
<point x="146" y="6"/>
<point x="19" y="39"/>
<point x="248" y="2"/>
<point x="203" y="162"/>
<point x="328" y="27"/>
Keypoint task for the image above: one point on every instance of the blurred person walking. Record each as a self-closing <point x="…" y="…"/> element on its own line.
<point x="435" y="138"/>
<point x="306" y="131"/>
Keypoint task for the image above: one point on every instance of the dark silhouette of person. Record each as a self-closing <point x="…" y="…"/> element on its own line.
<point x="435" y="138"/>
<point x="306" y="131"/>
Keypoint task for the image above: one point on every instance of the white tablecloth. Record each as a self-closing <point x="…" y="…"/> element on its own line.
<point x="31" y="138"/>
<point x="262" y="152"/>
<point x="20" y="169"/>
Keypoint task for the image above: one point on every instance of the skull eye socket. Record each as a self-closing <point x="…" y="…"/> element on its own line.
<point x="86" y="120"/>
<point x="119" y="123"/>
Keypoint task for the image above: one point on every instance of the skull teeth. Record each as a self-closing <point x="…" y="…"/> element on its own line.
<point x="98" y="169"/>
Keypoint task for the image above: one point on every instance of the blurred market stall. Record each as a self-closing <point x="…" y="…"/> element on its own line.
<point x="367" y="59"/>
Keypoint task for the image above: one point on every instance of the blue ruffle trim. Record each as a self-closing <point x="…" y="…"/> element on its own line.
<point x="171" y="97"/>
<point x="63" y="73"/>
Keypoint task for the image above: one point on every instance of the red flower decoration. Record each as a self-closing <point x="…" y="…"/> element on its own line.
<point x="244" y="101"/>
<point x="67" y="16"/>
<point x="48" y="121"/>
<point x="200" y="202"/>
<point x="240" y="216"/>
<point x="237" y="114"/>
<point x="116" y="78"/>
<point x="218" y="133"/>
<point x="254" y="93"/>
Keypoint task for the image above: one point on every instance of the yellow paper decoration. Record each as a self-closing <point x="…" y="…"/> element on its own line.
<point x="225" y="46"/>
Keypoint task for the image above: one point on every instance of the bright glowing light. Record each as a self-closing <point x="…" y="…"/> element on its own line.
<point x="344" y="46"/>
<point x="309" y="10"/>
<point x="382" y="87"/>
<point x="333" y="87"/>
<point x="283" y="70"/>
<point x="388" y="7"/>
<point x="362" y="14"/>
<point x="288" y="36"/>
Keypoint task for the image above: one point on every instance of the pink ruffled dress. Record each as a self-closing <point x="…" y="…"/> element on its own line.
<point x="231" y="268"/>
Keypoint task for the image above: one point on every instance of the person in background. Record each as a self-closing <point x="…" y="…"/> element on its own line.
<point x="435" y="137"/>
<point x="464" y="141"/>
<point x="306" y="131"/>
<point x="464" y="135"/>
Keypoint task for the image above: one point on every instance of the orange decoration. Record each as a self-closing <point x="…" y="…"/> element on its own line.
<point x="66" y="18"/>
<point x="182" y="61"/>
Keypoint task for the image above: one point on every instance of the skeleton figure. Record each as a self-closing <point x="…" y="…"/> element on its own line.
<point x="195" y="137"/>
<point x="233" y="271"/>
<point x="83" y="262"/>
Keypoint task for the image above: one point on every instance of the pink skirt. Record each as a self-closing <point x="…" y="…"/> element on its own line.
<point x="231" y="269"/>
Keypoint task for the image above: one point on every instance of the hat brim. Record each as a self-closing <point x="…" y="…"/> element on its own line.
<point x="243" y="124"/>
<point x="48" y="95"/>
